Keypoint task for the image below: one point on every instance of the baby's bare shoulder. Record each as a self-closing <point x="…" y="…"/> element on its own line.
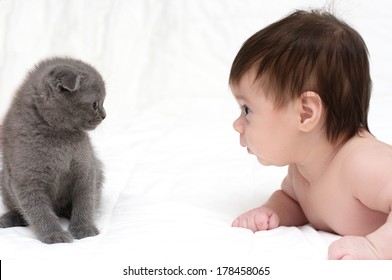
<point x="366" y="168"/>
<point x="365" y="155"/>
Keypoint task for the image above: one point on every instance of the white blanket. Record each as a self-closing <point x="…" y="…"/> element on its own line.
<point x="176" y="176"/>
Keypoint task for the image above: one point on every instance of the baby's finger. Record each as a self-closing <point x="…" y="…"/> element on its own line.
<point x="235" y="223"/>
<point x="251" y="224"/>
<point x="261" y="220"/>
<point x="273" y="221"/>
<point x="348" y="257"/>
<point x="337" y="251"/>
<point x="243" y="223"/>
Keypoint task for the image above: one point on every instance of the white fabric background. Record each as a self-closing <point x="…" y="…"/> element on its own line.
<point x="176" y="175"/>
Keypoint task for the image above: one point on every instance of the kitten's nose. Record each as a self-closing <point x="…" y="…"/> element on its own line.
<point x="103" y="114"/>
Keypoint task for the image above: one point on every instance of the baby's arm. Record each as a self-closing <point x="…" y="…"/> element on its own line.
<point x="280" y="210"/>
<point x="381" y="240"/>
<point x="373" y="189"/>
<point x="376" y="245"/>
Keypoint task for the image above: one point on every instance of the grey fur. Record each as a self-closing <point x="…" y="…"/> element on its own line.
<point x="49" y="166"/>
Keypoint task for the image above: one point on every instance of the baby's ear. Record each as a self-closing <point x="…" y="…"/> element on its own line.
<point x="311" y="109"/>
<point x="65" y="79"/>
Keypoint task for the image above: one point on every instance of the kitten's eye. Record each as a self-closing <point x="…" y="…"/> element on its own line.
<point x="95" y="105"/>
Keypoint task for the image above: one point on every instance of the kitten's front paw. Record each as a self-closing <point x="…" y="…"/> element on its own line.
<point x="57" y="237"/>
<point x="79" y="232"/>
<point x="12" y="219"/>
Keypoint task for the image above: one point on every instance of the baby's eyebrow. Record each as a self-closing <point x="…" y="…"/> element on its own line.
<point x="237" y="95"/>
<point x="240" y="98"/>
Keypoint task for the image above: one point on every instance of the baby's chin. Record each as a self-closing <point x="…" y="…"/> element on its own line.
<point x="267" y="161"/>
<point x="264" y="161"/>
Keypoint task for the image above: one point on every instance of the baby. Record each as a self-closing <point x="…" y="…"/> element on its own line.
<point x="303" y="85"/>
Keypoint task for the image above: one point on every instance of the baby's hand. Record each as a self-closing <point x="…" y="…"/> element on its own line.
<point x="352" y="248"/>
<point x="261" y="218"/>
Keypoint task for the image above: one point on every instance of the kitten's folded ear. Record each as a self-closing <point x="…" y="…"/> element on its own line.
<point x="65" y="79"/>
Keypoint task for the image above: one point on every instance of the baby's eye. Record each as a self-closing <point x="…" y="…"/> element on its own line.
<point x="245" y="110"/>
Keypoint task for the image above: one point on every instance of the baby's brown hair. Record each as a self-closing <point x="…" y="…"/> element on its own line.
<point x="312" y="51"/>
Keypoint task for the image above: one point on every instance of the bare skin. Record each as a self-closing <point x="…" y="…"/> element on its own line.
<point x="343" y="187"/>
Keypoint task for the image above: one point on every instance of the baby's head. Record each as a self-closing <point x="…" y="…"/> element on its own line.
<point x="311" y="51"/>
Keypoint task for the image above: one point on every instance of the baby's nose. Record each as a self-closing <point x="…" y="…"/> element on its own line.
<point x="238" y="126"/>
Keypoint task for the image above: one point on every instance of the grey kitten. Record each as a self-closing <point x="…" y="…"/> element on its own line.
<point x="49" y="166"/>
